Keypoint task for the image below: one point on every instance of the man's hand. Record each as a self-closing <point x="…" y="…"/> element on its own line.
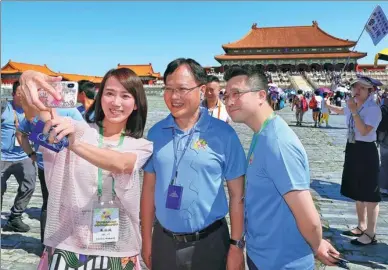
<point x="322" y="254"/>
<point x="235" y="259"/>
<point x="146" y="255"/>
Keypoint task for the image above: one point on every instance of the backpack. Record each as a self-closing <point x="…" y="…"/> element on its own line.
<point x="304" y="104"/>
<point x="313" y="103"/>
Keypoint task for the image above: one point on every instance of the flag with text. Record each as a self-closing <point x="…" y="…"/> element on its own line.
<point x="377" y="25"/>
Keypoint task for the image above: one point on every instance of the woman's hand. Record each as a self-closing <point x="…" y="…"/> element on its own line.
<point x="61" y="127"/>
<point x="31" y="82"/>
<point x="352" y="105"/>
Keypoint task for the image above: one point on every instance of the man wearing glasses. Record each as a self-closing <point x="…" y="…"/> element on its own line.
<point x="282" y="226"/>
<point x="212" y="101"/>
<point x="184" y="182"/>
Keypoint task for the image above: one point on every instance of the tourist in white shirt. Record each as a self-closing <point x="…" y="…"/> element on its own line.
<point x="318" y="108"/>
<point x="361" y="166"/>
<point x="212" y="102"/>
<point x="325" y="110"/>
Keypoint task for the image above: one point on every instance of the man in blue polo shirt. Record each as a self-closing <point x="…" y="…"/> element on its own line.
<point x="26" y="126"/>
<point x="184" y="182"/>
<point x="282" y="226"/>
<point x="14" y="161"/>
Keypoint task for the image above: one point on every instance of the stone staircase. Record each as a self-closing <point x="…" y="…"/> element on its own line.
<point x="298" y="82"/>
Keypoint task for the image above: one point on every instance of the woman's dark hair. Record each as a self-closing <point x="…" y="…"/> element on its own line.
<point x="137" y="120"/>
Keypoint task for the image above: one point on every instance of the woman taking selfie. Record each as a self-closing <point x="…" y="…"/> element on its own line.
<point x="361" y="167"/>
<point x="94" y="201"/>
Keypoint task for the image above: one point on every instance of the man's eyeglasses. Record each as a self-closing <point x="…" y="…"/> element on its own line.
<point x="181" y="91"/>
<point x="236" y="94"/>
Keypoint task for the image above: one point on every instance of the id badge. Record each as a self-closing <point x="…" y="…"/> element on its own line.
<point x="174" y="197"/>
<point x="105" y="222"/>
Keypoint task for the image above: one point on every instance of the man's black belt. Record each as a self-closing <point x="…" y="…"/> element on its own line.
<point x="190" y="237"/>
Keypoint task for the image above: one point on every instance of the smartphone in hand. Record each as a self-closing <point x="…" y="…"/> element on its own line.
<point x="341" y="261"/>
<point x="68" y="92"/>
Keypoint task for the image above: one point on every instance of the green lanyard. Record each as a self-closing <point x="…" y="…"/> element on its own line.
<point x="254" y="141"/>
<point x="256" y="135"/>
<point x="100" y="143"/>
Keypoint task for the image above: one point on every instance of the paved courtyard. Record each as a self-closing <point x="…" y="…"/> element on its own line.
<point x="325" y="148"/>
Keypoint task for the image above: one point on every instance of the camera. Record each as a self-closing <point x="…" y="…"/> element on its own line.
<point x="70" y="85"/>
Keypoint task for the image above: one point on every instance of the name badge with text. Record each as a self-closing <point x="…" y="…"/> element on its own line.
<point x="105" y="225"/>
<point x="174" y="197"/>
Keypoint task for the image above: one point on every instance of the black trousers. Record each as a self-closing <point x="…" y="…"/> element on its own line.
<point x="209" y="253"/>
<point x="43" y="214"/>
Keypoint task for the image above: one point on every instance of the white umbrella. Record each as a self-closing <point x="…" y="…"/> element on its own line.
<point x="342" y="89"/>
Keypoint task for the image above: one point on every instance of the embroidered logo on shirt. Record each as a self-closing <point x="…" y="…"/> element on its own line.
<point x="200" y="144"/>
<point x="251" y="159"/>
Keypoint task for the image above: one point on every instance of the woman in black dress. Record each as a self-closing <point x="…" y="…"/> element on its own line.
<point x="361" y="167"/>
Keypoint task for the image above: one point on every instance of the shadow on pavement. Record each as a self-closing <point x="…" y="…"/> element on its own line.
<point x="373" y="256"/>
<point x="311" y="125"/>
<point x="33" y="212"/>
<point x="328" y="190"/>
<point x="19" y="241"/>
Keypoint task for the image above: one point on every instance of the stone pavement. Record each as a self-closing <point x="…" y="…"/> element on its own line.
<point x="325" y="150"/>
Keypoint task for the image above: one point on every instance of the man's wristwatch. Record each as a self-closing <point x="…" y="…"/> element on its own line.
<point x="31" y="154"/>
<point x="238" y="243"/>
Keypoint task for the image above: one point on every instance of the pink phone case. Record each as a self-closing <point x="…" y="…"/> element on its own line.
<point x="68" y="91"/>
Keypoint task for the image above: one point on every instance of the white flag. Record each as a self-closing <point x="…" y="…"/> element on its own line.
<point x="377" y="25"/>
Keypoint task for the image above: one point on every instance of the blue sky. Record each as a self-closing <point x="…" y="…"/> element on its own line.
<point x="92" y="37"/>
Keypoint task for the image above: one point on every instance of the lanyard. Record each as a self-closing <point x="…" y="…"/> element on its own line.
<point x="256" y="135"/>
<point x="251" y="149"/>
<point x="100" y="142"/>
<point x="176" y="161"/>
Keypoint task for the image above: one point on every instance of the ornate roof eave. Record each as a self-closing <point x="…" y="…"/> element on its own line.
<point x="14" y="65"/>
<point x="231" y="45"/>
<point x="261" y="48"/>
<point x="219" y="58"/>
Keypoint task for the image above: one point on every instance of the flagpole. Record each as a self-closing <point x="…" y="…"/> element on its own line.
<point x="359" y="37"/>
<point x="355" y="45"/>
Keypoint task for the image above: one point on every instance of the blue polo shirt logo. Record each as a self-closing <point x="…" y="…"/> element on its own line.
<point x="251" y="158"/>
<point x="200" y="144"/>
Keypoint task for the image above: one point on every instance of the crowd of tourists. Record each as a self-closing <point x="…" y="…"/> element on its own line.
<point x="92" y="193"/>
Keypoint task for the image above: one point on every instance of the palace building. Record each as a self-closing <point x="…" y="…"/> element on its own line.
<point x="291" y="48"/>
<point x="145" y="72"/>
<point x="11" y="72"/>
